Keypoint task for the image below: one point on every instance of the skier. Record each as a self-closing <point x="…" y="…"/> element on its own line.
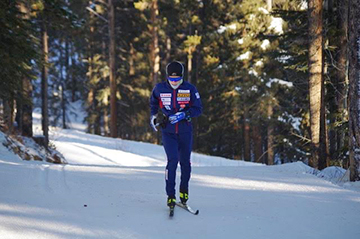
<point x="179" y="101"/>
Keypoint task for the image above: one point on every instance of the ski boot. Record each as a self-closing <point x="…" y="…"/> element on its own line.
<point x="171" y="202"/>
<point x="184" y="196"/>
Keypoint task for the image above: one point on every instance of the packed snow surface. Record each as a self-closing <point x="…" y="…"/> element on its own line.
<point x="115" y="188"/>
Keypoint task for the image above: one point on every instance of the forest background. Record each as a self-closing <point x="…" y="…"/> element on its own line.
<point x="279" y="79"/>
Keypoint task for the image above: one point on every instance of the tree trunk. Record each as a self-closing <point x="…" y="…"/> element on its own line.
<point x="269" y="5"/>
<point x="270" y="136"/>
<point x="73" y="77"/>
<point x="257" y="143"/>
<point x="63" y="105"/>
<point x="90" y="104"/>
<point x="155" y="50"/>
<point x="97" y="125"/>
<point x="189" y="65"/>
<point x="27" y="120"/>
<point x="341" y="73"/>
<point x="24" y="105"/>
<point x="44" y="83"/>
<point x="106" y="118"/>
<point x="168" y="49"/>
<point x="354" y="89"/>
<point x="316" y="81"/>
<point x="132" y="60"/>
<point x="65" y="84"/>
<point x="9" y="115"/>
<point x="331" y="91"/>
<point x="91" y="90"/>
<point x="113" y="111"/>
<point x="106" y="100"/>
<point x="194" y="81"/>
<point x="247" y="150"/>
<point x="62" y="85"/>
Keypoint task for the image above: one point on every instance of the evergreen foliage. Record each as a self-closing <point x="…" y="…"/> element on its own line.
<point x="18" y="49"/>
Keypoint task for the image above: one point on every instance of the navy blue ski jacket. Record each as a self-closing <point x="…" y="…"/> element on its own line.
<point x="185" y="98"/>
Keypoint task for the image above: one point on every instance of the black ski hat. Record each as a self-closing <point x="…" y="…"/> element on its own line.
<point x="175" y="68"/>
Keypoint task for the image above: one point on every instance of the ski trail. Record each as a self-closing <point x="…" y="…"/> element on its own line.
<point x="44" y="178"/>
<point x="63" y="173"/>
<point x="52" y="178"/>
<point x="57" y="179"/>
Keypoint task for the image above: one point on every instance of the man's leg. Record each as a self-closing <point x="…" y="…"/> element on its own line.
<point x="185" y="147"/>
<point x="170" y="143"/>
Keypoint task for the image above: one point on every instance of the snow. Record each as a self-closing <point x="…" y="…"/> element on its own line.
<point x="277" y="25"/>
<point x="114" y="188"/>
<point x="253" y="72"/>
<point x="244" y="56"/>
<point x="280" y="82"/>
<point x="283" y="59"/>
<point x="98" y="150"/>
<point x="333" y="173"/>
<point x="303" y="5"/>
<point x="287" y="118"/>
<point x="222" y="28"/>
<point x="260" y="63"/>
<point x="75" y="117"/>
<point x="265" y="44"/>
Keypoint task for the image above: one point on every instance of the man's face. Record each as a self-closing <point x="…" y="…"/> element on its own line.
<point x="174" y="83"/>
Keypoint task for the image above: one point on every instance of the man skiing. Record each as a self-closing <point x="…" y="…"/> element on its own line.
<point x="179" y="101"/>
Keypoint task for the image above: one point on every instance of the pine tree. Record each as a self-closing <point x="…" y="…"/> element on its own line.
<point x="354" y="90"/>
<point x="18" y="52"/>
<point x="316" y="83"/>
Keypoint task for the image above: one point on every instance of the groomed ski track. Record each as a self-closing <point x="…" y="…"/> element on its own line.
<point x="100" y="195"/>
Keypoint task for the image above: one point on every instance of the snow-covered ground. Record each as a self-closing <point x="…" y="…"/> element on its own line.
<point x="115" y="188"/>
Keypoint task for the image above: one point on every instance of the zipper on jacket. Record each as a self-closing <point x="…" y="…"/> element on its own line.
<point x="174" y="104"/>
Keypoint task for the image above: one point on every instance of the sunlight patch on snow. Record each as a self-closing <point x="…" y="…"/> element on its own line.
<point x="45" y="228"/>
<point x="355" y="199"/>
<point x="95" y="155"/>
<point x="245" y="184"/>
<point x="25" y="209"/>
<point x="86" y="149"/>
<point x="7" y="161"/>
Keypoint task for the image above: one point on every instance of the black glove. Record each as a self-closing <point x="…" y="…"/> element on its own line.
<point x="162" y="120"/>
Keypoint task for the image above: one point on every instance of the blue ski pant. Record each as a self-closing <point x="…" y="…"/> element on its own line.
<point x="178" y="149"/>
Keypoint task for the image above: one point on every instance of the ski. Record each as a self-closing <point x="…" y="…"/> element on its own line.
<point x="187" y="208"/>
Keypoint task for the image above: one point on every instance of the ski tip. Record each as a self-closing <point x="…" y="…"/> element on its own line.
<point x="197" y="212"/>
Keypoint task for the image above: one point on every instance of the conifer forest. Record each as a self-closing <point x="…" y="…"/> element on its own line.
<point x="279" y="80"/>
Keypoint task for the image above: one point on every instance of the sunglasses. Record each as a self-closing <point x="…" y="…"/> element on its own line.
<point x="174" y="79"/>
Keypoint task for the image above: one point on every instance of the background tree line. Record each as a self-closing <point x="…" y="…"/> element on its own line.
<point x="278" y="78"/>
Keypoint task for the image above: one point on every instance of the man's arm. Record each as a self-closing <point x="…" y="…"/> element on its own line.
<point x="195" y="103"/>
<point x="154" y="102"/>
